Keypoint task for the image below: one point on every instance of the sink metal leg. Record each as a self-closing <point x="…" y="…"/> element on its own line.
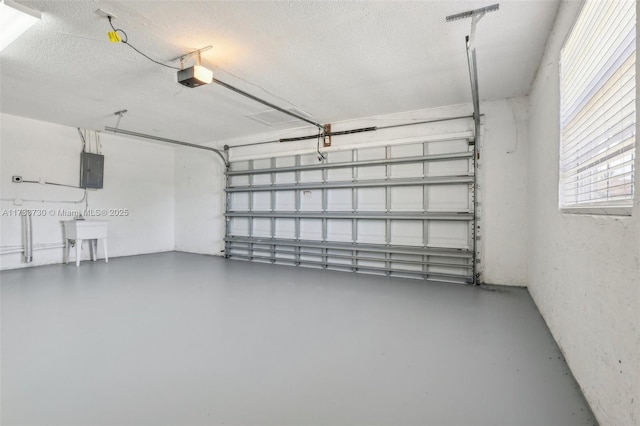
<point x="94" y="249"/>
<point x="78" y="252"/>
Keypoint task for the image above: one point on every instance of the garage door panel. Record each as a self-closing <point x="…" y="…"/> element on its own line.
<point x="285" y="161"/>
<point x="261" y="201"/>
<point x="340" y="199"/>
<point x="261" y="179"/>
<point x="366" y="154"/>
<point x="240" y="201"/>
<point x="372" y="263"/>
<point x="371" y="199"/>
<point x="263" y="163"/>
<point x="407" y="232"/>
<point x="407" y="170"/>
<point x="448" y="234"/>
<point x="240" y="226"/>
<point x="239" y="180"/>
<point x="311" y="176"/>
<point x="407" y="258"/>
<point x="449" y="168"/>
<point x="339" y="230"/>
<point x="310" y="229"/>
<point x="448" y="198"/>
<point x="407" y="150"/>
<point x="236" y="251"/>
<point x="308" y="159"/>
<point x="340" y="156"/>
<point x="286" y="228"/>
<point x="342" y="257"/>
<point x="407" y="199"/>
<point x="400" y="266"/>
<point x="371" y="231"/>
<point x="261" y="227"/>
<point x="339" y="261"/>
<point x="447" y="270"/>
<point x="311" y="200"/>
<point x="286" y="177"/>
<point x="448" y="147"/>
<point x="391" y="217"/>
<point x="239" y="165"/>
<point x="340" y="175"/>
<point x="371" y="172"/>
<point x="285" y="200"/>
<point x="286" y="256"/>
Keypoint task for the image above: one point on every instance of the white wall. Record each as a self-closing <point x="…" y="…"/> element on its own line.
<point x="503" y="175"/>
<point x="504" y="187"/>
<point x="138" y="176"/>
<point x="584" y="271"/>
<point x="200" y="200"/>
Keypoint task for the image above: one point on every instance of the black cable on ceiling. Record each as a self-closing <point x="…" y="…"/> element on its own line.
<point x="125" y="40"/>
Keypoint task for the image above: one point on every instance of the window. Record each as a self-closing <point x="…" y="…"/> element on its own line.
<point x="598" y="108"/>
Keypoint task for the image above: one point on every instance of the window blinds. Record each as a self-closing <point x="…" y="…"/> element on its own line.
<point x="598" y="106"/>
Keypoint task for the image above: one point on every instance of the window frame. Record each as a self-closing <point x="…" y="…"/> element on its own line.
<point x="607" y="207"/>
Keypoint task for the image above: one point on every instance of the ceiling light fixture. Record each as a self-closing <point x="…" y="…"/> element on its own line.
<point x="15" y="19"/>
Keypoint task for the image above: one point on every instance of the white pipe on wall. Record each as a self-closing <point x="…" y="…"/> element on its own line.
<point x="27" y="238"/>
<point x="35" y="247"/>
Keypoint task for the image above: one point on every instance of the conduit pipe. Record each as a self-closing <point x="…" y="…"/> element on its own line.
<point x="27" y="238"/>
<point x="36" y="247"/>
<point x="23" y="200"/>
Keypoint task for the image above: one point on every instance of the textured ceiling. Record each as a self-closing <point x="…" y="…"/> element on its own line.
<point x="335" y="60"/>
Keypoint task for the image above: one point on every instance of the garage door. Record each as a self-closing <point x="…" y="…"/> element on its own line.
<point x="396" y="209"/>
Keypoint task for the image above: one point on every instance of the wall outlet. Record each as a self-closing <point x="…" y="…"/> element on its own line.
<point x="16" y="179"/>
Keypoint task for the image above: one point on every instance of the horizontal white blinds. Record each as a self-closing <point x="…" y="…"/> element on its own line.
<point x="598" y="106"/>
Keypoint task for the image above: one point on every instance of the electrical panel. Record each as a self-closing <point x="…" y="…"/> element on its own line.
<point x="91" y="170"/>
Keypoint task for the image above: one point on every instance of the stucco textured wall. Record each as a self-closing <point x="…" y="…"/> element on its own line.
<point x="584" y="270"/>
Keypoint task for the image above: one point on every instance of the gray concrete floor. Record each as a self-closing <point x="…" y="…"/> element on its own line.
<point x="183" y="339"/>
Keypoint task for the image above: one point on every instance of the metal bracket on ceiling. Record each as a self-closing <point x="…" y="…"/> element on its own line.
<point x="472" y="13"/>
<point x="195" y="53"/>
<point x="119" y="114"/>
<point x="105" y="14"/>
